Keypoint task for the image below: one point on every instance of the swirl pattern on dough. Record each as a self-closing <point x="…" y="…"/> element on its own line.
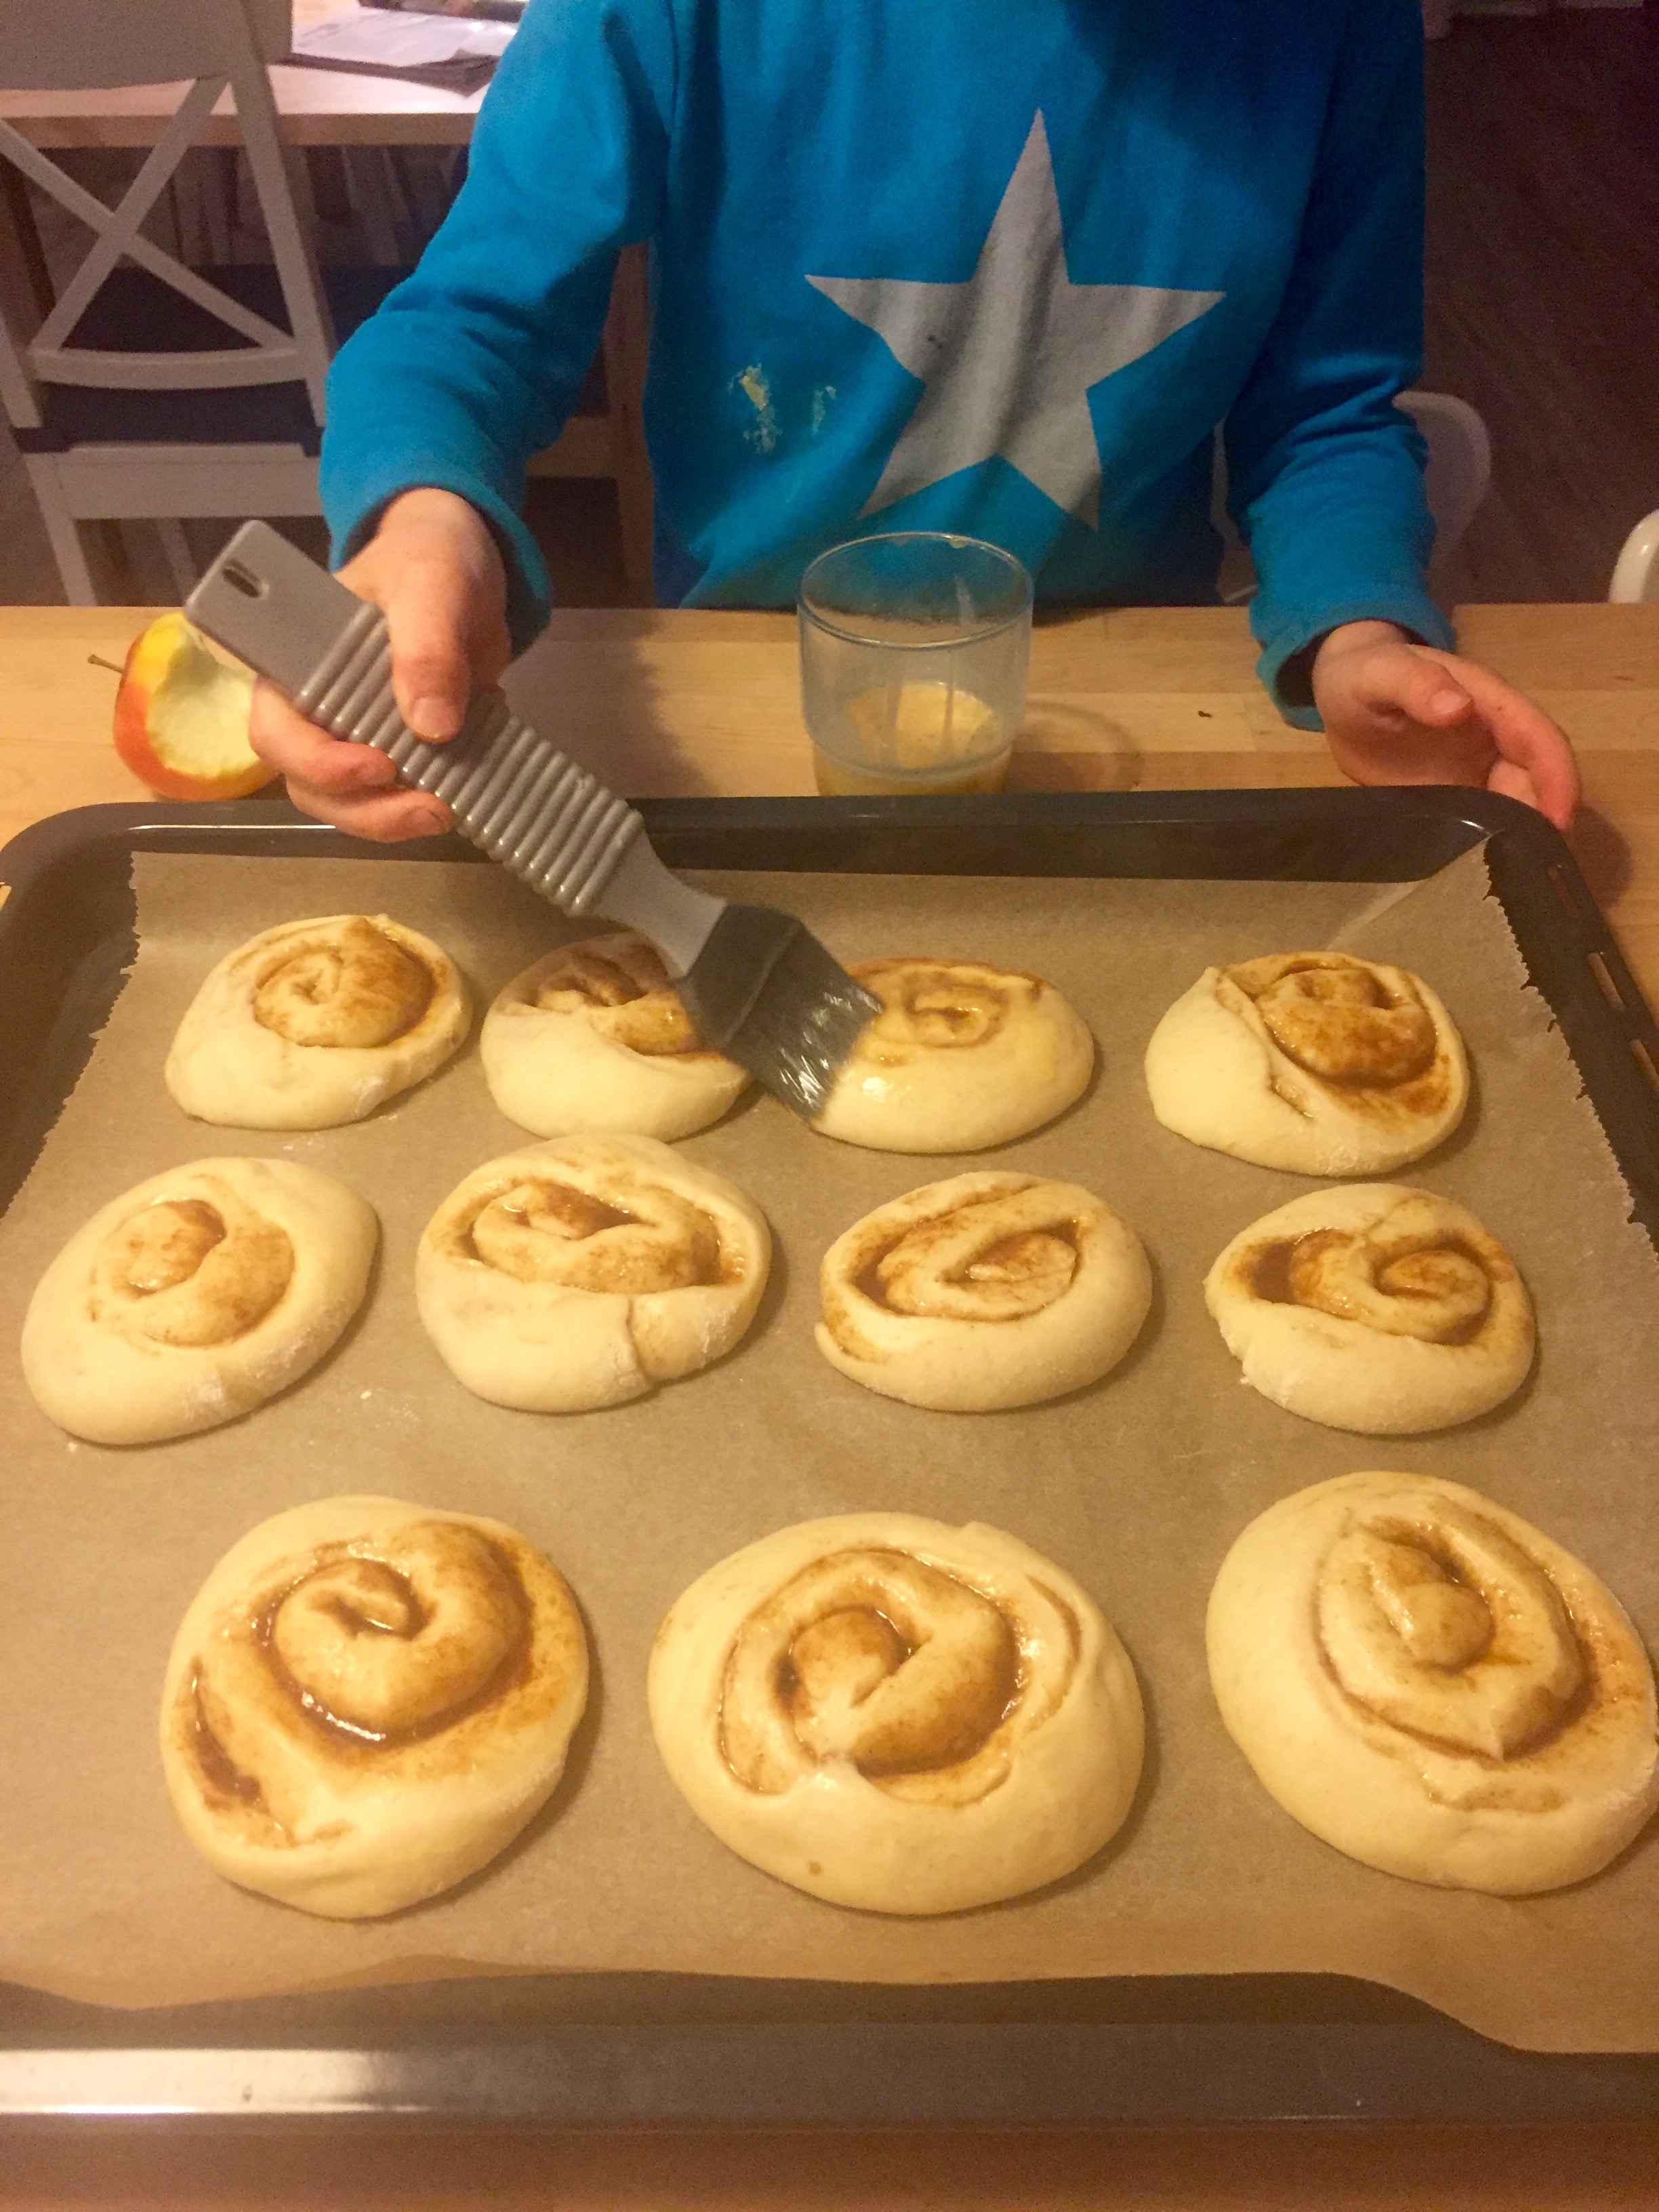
<point x="1319" y="1062"/>
<point x="586" y="1271"/>
<point x="962" y="1056"/>
<point x="317" y="1023"/>
<point x="893" y="1713"/>
<point x="1376" y="1308"/>
<point x="594" y="1037"/>
<point x="367" y="1700"/>
<point x="989" y="1290"/>
<point x="194" y="1297"/>
<point x="1429" y="1683"/>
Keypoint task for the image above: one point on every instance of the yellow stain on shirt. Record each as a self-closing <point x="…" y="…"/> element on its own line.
<point x="763" y="433"/>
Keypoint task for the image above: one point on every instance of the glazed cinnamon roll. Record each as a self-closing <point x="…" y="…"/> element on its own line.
<point x="962" y="1056"/>
<point x="987" y="1291"/>
<point x="317" y="1023"/>
<point x="594" y="1037"/>
<point x="583" y="1271"/>
<point x="367" y="1700"/>
<point x="195" y="1296"/>
<point x="893" y="1713"/>
<point x="1377" y="1307"/>
<point x="1428" y="1682"/>
<point x="1315" y="1061"/>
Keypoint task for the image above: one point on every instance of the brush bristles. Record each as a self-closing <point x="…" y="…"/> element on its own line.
<point x="765" y="991"/>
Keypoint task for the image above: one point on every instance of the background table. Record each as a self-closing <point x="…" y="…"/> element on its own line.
<point x="687" y="702"/>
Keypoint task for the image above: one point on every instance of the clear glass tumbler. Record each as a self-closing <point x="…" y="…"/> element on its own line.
<point x="913" y="649"/>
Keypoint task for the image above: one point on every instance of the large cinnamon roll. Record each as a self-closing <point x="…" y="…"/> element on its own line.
<point x="961" y="1056"/>
<point x="367" y="1700"/>
<point x="585" y="1272"/>
<point x="317" y="1023"/>
<point x="195" y="1296"/>
<point x="1315" y="1061"/>
<point x="893" y="1713"/>
<point x="594" y="1037"/>
<point x="990" y="1290"/>
<point x="1374" y="1306"/>
<point x="1426" y="1681"/>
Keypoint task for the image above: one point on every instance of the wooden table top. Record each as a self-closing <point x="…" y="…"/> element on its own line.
<point x="666" y="703"/>
<point x="317" y="108"/>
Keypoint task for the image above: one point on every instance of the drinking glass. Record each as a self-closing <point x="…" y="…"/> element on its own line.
<point x="913" y="649"/>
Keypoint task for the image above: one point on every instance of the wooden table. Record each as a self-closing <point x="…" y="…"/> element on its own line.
<point x="669" y="703"/>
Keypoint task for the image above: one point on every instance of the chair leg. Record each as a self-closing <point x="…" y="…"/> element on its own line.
<point x="63" y="534"/>
<point x="175" y="550"/>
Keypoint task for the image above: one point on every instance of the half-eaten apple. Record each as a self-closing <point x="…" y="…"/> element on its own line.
<point x="181" y="716"/>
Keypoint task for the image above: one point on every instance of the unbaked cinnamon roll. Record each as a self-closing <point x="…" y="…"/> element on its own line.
<point x="585" y="1272"/>
<point x="195" y="1296"/>
<point x="1315" y="1061"/>
<point x="594" y="1037"/>
<point x="1375" y="1307"/>
<point x="893" y="1713"/>
<point x="367" y="1700"/>
<point x="987" y="1291"/>
<point x="962" y="1056"/>
<point x="1428" y="1682"/>
<point x="317" y="1023"/>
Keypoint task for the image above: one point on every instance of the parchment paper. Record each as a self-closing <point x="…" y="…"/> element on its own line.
<point x="1137" y="1485"/>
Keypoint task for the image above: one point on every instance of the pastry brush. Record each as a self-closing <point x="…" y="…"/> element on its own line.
<point x="757" y="984"/>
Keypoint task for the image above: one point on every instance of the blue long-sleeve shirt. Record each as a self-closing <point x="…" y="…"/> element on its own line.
<point x="994" y="266"/>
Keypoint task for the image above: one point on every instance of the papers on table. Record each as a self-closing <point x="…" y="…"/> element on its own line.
<point x="443" y="50"/>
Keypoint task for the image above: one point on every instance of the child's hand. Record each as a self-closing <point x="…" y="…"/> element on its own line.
<point x="1397" y="712"/>
<point x="435" y="569"/>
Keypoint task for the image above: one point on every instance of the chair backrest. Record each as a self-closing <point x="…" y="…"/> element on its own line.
<point x="1459" y="471"/>
<point x="65" y="44"/>
<point x="1637" y="576"/>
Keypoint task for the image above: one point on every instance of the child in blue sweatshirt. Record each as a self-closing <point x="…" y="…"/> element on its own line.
<point x="993" y="266"/>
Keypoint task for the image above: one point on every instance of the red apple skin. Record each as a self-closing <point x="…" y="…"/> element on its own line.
<point x="149" y="659"/>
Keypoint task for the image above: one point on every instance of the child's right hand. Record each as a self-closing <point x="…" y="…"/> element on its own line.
<point x="435" y="570"/>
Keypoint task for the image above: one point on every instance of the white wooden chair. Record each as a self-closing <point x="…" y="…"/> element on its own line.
<point x="150" y="390"/>
<point x="1454" y="481"/>
<point x="1635" y="578"/>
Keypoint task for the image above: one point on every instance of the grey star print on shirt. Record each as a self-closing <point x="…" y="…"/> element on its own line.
<point x="1007" y="358"/>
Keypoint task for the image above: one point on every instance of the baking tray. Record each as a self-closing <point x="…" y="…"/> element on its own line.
<point x="677" y="2052"/>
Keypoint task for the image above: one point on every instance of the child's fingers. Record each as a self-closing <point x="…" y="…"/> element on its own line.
<point x="1394" y="681"/>
<point x="1524" y="736"/>
<point x="431" y="616"/>
<point x="383" y="816"/>
<point x="301" y="750"/>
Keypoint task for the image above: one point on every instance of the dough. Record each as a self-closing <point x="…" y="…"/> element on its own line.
<point x="990" y="1290"/>
<point x="1429" y="1683"/>
<point x="962" y="1056"/>
<point x="1375" y="1308"/>
<point x="317" y="1023"/>
<point x="896" y="1714"/>
<point x="367" y="1700"/>
<point x="583" y="1271"/>
<point x="594" y="1037"/>
<point x="1314" y="1061"/>
<point x="194" y="1297"/>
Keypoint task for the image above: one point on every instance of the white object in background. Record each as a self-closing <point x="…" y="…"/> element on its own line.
<point x="1456" y="478"/>
<point x="393" y="41"/>
<point x="215" y="45"/>
<point x="1637" y="576"/>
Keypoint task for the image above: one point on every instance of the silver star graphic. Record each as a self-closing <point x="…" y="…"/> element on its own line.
<point x="1007" y="359"/>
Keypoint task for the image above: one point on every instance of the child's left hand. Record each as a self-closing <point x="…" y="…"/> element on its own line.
<point x="1398" y="712"/>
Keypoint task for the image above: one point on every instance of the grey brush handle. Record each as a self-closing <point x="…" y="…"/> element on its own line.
<point x="513" y="794"/>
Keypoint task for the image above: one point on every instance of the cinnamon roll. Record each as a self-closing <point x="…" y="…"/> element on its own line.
<point x="961" y="1056"/>
<point x="1315" y="1061"/>
<point x="1428" y="1682"/>
<point x="594" y="1037"/>
<point x="195" y="1296"/>
<point x="317" y="1023"/>
<point x="1376" y="1308"/>
<point x="893" y="1713"/>
<point x="583" y="1271"/>
<point x="990" y="1290"/>
<point x="367" y="1700"/>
